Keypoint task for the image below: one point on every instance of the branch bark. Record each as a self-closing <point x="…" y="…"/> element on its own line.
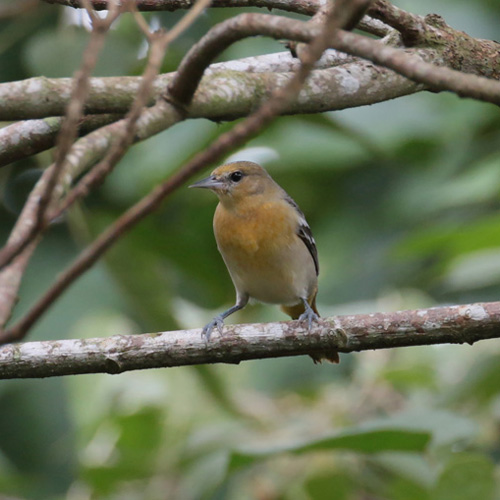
<point x="233" y="83"/>
<point x="454" y="325"/>
<point x="42" y="97"/>
<point x="29" y="137"/>
<point x="307" y="7"/>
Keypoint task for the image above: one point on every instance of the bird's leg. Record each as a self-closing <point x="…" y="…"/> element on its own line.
<point x="218" y="321"/>
<point x="308" y="315"/>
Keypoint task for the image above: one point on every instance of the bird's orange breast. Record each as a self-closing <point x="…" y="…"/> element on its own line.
<point x="253" y="233"/>
<point x="263" y="253"/>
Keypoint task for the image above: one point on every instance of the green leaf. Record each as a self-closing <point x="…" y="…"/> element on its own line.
<point x="467" y="476"/>
<point x="411" y="376"/>
<point x="480" y="383"/>
<point x="402" y="489"/>
<point x="218" y="388"/>
<point x="408" y="467"/>
<point x="446" y="428"/>
<point x="370" y="441"/>
<point x="134" y="441"/>
<point x="326" y="487"/>
<point x="37" y="437"/>
<point x="361" y="441"/>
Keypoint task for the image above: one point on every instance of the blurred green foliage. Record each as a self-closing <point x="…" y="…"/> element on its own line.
<point x="403" y="198"/>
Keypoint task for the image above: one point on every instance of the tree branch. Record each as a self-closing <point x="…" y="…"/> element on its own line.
<point x="29" y="137"/>
<point x="241" y="84"/>
<point x="454" y="325"/>
<point x="436" y="78"/>
<point x="307" y="7"/>
<point x="66" y="135"/>
<point x="412" y="27"/>
<point x="42" y="97"/>
<point x="244" y="81"/>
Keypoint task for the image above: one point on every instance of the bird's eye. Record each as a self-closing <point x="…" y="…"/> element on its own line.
<point x="236" y="176"/>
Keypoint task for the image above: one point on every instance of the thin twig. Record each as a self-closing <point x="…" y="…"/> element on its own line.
<point x="69" y="129"/>
<point x="337" y="17"/>
<point x="120" y="353"/>
<point x="10" y="281"/>
<point x="159" y="43"/>
<point x="412" y="27"/>
<point x="68" y="132"/>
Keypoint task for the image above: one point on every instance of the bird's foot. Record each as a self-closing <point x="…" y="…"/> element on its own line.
<point x="309" y="316"/>
<point x="217" y="322"/>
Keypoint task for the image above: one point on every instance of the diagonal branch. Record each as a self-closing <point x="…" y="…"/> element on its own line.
<point x="159" y="43"/>
<point x="67" y="133"/>
<point x="454" y="325"/>
<point x="24" y="234"/>
<point x="85" y="153"/>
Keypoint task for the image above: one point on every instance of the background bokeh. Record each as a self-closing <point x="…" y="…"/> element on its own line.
<point x="403" y="198"/>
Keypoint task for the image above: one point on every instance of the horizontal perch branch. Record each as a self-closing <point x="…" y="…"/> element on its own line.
<point x="120" y="353"/>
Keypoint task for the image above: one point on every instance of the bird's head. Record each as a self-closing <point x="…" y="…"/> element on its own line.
<point x="236" y="180"/>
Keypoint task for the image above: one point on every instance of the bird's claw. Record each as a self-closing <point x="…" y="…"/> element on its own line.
<point x="217" y="322"/>
<point x="309" y="316"/>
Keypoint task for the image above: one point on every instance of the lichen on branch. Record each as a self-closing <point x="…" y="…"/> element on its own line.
<point x="120" y="353"/>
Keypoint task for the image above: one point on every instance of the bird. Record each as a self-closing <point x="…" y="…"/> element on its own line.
<point x="266" y="244"/>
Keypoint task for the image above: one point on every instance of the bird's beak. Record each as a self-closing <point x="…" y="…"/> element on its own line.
<point x="209" y="183"/>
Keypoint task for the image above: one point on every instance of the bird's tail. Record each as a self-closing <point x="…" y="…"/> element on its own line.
<point x="294" y="312"/>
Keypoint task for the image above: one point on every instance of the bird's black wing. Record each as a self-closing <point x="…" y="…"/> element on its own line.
<point x="304" y="233"/>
